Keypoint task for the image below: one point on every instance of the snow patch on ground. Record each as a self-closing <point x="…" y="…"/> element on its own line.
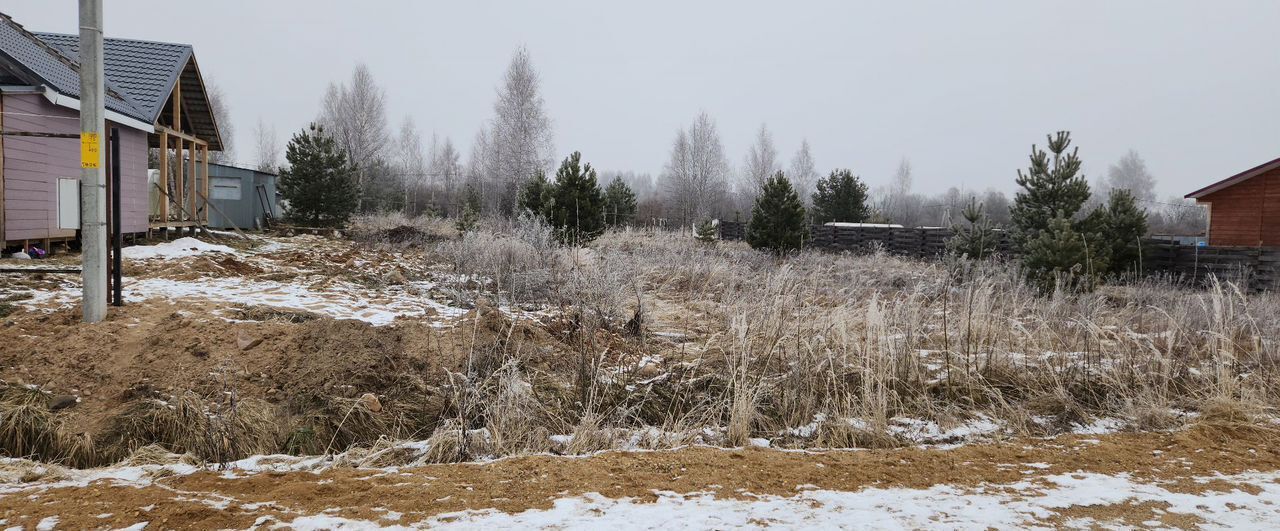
<point x="1016" y="506"/>
<point x="179" y="248"/>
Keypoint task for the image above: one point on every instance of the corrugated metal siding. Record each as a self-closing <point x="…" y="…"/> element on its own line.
<point x="34" y="165"/>
<point x="1246" y="214"/>
<point x="247" y="212"/>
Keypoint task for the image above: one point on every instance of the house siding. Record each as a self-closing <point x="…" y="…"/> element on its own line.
<point x="1246" y="214"/>
<point x="32" y="167"/>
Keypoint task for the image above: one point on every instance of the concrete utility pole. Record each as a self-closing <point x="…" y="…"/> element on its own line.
<point x="93" y="196"/>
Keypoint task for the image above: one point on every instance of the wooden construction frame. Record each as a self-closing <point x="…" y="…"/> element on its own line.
<point x="184" y="161"/>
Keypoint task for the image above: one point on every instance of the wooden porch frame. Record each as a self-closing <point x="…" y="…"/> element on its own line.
<point x="190" y="168"/>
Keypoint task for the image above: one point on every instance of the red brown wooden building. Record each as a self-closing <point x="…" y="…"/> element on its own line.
<point x="1244" y="209"/>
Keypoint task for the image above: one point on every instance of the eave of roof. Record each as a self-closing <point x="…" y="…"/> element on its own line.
<point x="1235" y="179"/>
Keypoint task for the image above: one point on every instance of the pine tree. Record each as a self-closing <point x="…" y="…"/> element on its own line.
<point x="619" y="203"/>
<point x="1053" y="193"/>
<point x="1049" y="189"/>
<point x="975" y="238"/>
<point x="705" y="232"/>
<point x="1059" y="257"/>
<point x="778" y="218"/>
<point x="841" y="196"/>
<point x="534" y="193"/>
<point x="470" y="214"/>
<point x="1126" y="226"/>
<point x="575" y="205"/>
<point x="320" y="183"/>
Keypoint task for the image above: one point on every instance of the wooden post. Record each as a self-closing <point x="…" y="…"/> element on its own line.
<point x="191" y="184"/>
<point x="205" y="191"/>
<point x="177" y="181"/>
<point x="164" y="177"/>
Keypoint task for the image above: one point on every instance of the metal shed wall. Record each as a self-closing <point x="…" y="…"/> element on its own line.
<point x="248" y="208"/>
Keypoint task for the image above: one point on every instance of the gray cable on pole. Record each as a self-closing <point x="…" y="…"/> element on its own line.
<point x="93" y="200"/>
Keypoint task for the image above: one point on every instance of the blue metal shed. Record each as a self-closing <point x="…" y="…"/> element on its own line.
<point x="243" y="198"/>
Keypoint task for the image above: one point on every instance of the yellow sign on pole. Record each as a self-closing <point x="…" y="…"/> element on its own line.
<point x="90" y="151"/>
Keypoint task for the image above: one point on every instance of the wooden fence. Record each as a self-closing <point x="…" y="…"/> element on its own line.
<point x="1258" y="269"/>
<point x="916" y="242"/>
<point x="1251" y="267"/>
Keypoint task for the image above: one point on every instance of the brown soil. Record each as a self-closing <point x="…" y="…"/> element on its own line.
<point x="518" y="484"/>
<point x="296" y="361"/>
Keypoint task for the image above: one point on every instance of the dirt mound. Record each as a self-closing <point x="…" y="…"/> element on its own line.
<point x="302" y="377"/>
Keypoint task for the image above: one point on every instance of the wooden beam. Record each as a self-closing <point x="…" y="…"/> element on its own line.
<point x="191" y="184"/>
<point x="205" y="192"/>
<point x="179" y="134"/>
<point x="177" y="180"/>
<point x="164" y="176"/>
<point x="177" y="105"/>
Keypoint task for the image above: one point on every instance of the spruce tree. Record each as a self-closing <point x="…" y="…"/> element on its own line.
<point x="533" y="194"/>
<point x="319" y="183"/>
<point x="574" y="205"/>
<point x="778" y="218"/>
<point x="1126" y="226"/>
<point x="841" y="196"/>
<point x="619" y="203"/>
<point x="975" y="238"/>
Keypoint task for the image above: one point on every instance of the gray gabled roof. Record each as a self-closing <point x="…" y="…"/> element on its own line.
<point x="25" y="51"/>
<point x="140" y="75"/>
<point x="144" y="71"/>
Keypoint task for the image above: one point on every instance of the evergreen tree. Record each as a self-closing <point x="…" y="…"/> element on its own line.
<point x="778" y="218"/>
<point x="1126" y="226"/>
<point x="1058" y="257"/>
<point x="841" y="196"/>
<point x="619" y="203"/>
<point x="574" y="205"/>
<point x="1052" y="195"/>
<point x="975" y="238"/>
<point x="705" y="232"/>
<point x="534" y="193"/>
<point x="320" y="183"/>
<point x="1049" y="189"/>
<point x="470" y="214"/>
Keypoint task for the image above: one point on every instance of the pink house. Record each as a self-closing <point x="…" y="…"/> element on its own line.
<point x="156" y="100"/>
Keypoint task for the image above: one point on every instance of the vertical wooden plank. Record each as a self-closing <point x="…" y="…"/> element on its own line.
<point x="193" y="182"/>
<point x="177" y="181"/>
<point x="205" y="161"/>
<point x="164" y="177"/>
<point x="177" y="105"/>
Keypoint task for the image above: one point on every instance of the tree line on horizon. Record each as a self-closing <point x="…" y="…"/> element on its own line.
<point x="398" y="172"/>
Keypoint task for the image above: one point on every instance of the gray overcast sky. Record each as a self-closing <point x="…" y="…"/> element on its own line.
<point x="961" y="88"/>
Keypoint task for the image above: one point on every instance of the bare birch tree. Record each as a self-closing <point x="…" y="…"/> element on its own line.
<point x="410" y="164"/>
<point x="804" y="173"/>
<point x="695" y="177"/>
<point x="1129" y="173"/>
<point x="762" y="160"/>
<point x="266" y="148"/>
<point x="446" y="170"/>
<point x="355" y="114"/>
<point x="521" y="142"/>
<point x="226" y="129"/>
